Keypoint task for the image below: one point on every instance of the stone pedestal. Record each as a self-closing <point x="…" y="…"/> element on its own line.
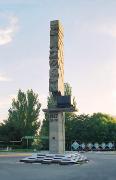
<point x="57" y="132"/>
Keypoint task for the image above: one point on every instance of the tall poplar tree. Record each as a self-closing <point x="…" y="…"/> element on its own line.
<point x="23" y="116"/>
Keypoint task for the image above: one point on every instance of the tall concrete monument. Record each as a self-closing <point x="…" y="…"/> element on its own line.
<point x="60" y="103"/>
<point x="56" y="86"/>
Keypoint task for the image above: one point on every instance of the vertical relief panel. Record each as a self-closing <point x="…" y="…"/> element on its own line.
<point x="56" y="58"/>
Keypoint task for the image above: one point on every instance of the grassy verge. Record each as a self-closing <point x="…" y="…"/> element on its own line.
<point x="18" y="150"/>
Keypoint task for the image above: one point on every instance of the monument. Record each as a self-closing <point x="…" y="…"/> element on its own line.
<point x="60" y="103"/>
<point x="58" y="106"/>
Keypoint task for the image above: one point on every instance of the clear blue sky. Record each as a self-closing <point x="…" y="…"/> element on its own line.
<point x="90" y="50"/>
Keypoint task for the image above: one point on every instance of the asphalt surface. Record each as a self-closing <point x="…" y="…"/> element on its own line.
<point x="102" y="166"/>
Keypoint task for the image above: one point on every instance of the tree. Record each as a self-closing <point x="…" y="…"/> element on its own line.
<point x="22" y="116"/>
<point x="98" y="127"/>
<point x="44" y="132"/>
<point x="67" y="89"/>
<point x="68" y="92"/>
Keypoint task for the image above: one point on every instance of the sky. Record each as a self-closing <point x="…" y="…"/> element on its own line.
<point x="89" y="50"/>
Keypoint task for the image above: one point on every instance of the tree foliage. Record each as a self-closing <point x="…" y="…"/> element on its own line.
<point x="95" y="128"/>
<point x="22" y="117"/>
<point x="67" y="89"/>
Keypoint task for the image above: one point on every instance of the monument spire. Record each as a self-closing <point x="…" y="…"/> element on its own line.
<point x="56" y="59"/>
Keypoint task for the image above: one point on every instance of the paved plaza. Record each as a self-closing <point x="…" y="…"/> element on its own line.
<point x="102" y="166"/>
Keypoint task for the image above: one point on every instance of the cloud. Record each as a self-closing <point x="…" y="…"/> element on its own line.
<point x="108" y="28"/>
<point x="7" y="32"/>
<point x="4" y="78"/>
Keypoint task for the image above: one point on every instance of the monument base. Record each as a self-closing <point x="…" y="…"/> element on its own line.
<point x="56" y="132"/>
<point x="63" y="159"/>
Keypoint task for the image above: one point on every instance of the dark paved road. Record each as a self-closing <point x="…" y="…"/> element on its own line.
<point x="100" y="167"/>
